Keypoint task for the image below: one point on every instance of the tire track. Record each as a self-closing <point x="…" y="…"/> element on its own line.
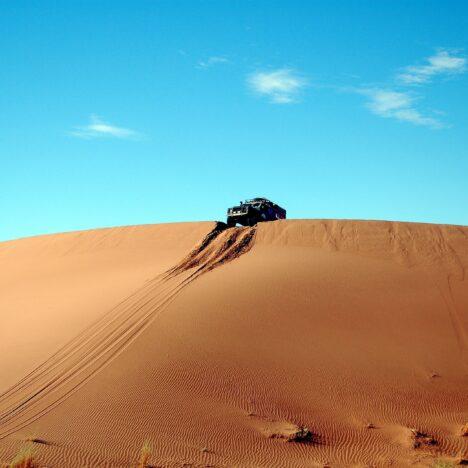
<point x="63" y="373"/>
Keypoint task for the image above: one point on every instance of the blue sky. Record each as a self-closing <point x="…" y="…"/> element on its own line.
<point x="117" y="113"/>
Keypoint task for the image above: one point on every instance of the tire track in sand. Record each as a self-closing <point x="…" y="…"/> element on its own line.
<point x="63" y="373"/>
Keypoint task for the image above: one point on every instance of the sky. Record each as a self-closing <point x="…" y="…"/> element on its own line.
<point x="135" y="112"/>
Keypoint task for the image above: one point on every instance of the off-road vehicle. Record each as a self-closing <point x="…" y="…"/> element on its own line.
<point x="253" y="211"/>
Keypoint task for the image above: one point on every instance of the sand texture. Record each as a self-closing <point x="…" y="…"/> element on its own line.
<point x="295" y="343"/>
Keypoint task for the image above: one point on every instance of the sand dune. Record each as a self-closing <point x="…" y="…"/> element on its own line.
<point x="293" y="343"/>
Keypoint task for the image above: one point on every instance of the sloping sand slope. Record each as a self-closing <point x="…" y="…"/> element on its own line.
<point x="216" y="345"/>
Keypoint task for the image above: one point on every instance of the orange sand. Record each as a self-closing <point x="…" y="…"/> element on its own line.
<point x="217" y="346"/>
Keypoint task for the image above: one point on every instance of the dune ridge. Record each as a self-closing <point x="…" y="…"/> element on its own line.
<point x="237" y="338"/>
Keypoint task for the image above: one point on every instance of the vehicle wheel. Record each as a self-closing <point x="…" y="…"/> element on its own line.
<point x="230" y="223"/>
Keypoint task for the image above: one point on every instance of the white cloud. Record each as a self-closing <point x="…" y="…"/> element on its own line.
<point x="441" y="63"/>
<point x="280" y="86"/>
<point x="401" y="105"/>
<point x="97" y="128"/>
<point x="211" y="61"/>
<point x="397" y="105"/>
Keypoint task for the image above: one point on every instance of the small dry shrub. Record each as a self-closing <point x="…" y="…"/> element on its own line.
<point x="24" y="459"/>
<point x="37" y="440"/>
<point x="145" y="454"/>
<point x="302" y="434"/>
<point x="443" y="464"/>
<point x="420" y="439"/>
<point x="298" y="434"/>
<point x="464" y="430"/>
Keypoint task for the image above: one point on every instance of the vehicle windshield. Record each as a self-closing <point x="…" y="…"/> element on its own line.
<point x="256" y="201"/>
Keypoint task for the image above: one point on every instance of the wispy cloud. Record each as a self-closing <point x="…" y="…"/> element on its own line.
<point x="441" y="63"/>
<point x="211" y="61"/>
<point x="397" y="105"/>
<point x="97" y="128"/>
<point x="280" y="86"/>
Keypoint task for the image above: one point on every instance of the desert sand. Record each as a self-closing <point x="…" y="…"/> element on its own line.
<point x="293" y="343"/>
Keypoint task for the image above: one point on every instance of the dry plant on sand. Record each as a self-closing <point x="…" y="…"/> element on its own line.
<point x="24" y="459"/>
<point x="293" y="434"/>
<point x="464" y="430"/>
<point x="443" y="464"/>
<point x="421" y="439"/>
<point x="145" y="454"/>
<point x="302" y="434"/>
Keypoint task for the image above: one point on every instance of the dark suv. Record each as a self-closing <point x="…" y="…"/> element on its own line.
<point x="253" y="211"/>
